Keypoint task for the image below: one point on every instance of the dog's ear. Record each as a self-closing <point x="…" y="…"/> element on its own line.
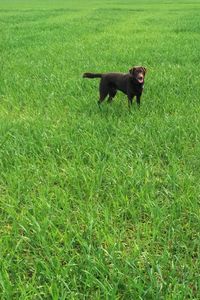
<point x="132" y="70"/>
<point x="144" y="69"/>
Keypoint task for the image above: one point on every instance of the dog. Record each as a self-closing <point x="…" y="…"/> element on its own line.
<point x="131" y="84"/>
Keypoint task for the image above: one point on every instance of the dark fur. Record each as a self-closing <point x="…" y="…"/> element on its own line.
<point x="130" y="84"/>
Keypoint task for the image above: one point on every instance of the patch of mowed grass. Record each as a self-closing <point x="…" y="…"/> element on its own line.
<point x="99" y="204"/>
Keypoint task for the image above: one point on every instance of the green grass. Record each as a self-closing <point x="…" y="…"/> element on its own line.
<point x="99" y="204"/>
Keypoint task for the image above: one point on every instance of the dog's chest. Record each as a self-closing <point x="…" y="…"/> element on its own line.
<point x="137" y="88"/>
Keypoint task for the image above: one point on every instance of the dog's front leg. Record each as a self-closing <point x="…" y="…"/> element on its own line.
<point x="130" y="100"/>
<point x="138" y="100"/>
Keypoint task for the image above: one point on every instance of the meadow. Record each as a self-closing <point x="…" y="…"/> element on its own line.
<point x="99" y="204"/>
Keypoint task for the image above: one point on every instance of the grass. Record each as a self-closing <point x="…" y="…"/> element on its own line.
<point x="99" y="204"/>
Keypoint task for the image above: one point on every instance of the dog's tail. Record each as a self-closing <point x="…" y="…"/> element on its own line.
<point x="92" y="75"/>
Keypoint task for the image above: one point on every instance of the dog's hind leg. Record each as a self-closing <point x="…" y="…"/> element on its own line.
<point x="103" y="91"/>
<point x="112" y="92"/>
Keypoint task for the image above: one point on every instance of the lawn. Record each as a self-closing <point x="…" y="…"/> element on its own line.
<point x="99" y="204"/>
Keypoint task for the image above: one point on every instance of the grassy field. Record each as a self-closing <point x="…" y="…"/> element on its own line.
<point x="99" y="204"/>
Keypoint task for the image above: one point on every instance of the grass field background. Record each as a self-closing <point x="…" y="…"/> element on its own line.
<point x="99" y="204"/>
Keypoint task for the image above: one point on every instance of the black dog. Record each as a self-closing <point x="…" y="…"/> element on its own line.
<point x="131" y="84"/>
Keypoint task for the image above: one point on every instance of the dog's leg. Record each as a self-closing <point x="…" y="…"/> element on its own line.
<point x="102" y="98"/>
<point x="103" y="91"/>
<point x="138" y="100"/>
<point x="130" y="100"/>
<point x="112" y="93"/>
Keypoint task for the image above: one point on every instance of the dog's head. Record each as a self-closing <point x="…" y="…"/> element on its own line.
<point x="138" y="73"/>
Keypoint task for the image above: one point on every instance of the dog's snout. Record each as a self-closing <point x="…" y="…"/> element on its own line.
<point x="140" y="78"/>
